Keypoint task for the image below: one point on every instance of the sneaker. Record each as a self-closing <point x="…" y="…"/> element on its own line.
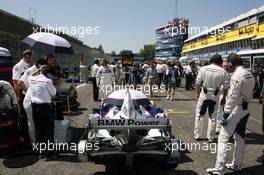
<point x="260" y="159"/>
<point x="233" y="167"/>
<point x="168" y="97"/>
<point x="214" y="171"/>
<point x="197" y="138"/>
<point x="171" y="98"/>
<point x="211" y="140"/>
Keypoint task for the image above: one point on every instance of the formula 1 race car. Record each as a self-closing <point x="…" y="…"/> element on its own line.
<point x="126" y="128"/>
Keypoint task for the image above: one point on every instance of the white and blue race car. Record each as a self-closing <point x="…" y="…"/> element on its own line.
<point x="128" y="127"/>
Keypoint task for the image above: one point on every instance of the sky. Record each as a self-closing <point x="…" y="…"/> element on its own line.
<point x="125" y="24"/>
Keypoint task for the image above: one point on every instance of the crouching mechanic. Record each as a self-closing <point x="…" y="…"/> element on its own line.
<point x="235" y="117"/>
<point x="209" y="80"/>
<point x="8" y="98"/>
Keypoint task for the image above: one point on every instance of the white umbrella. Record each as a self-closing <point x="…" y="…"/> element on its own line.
<point x="4" y="52"/>
<point x="48" y="41"/>
<point x="116" y="98"/>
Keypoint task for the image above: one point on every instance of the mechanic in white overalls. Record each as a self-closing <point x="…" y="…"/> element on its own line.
<point x="235" y="117"/>
<point x="220" y="106"/>
<point x="209" y="80"/>
<point x="105" y="79"/>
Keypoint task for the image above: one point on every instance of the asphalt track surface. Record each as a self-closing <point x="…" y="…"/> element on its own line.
<point x="181" y="111"/>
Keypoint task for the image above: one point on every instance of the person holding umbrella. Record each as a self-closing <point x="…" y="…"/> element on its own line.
<point x="50" y="59"/>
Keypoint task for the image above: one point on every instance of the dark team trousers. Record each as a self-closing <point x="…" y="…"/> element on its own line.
<point x="160" y="77"/>
<point x="188" y="84"/>
<point x="44" y="122"/>
<point x="95" y="90"/>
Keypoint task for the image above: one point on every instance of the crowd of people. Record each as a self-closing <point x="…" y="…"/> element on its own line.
<point x="167" y="74"/>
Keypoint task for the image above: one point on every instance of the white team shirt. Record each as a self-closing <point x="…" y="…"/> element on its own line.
<point x="160" y="68"/>
<point x="94" y="69"/>
<point x="27" y="73"/>
<point x="19" y="69"/>
<point x="188" y="69"/>
<point x="41" y="89"/>
<point x="105" y="75"/>
<point x="213" y="77"/>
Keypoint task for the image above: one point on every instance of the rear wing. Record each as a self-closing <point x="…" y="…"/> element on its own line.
<point x="151" y="123"/>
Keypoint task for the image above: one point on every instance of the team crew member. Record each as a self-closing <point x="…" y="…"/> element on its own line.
<point x="235" y="116"/>
<point x="18" y="70"/>
<point x="105" y="79"/>
<point x="8" y="98"/>
<point x="41" y="91"/>
<point x="209" y="81"/>
<point x="221" y="106"/>
<point x="23" y="83"/>
<point x="50" y="59"/>
<point x="261" y="158"/>
<point x="94" y="70"/>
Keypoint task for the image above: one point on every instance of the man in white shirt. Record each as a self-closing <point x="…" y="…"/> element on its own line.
<point x="18" y="70"/>
<point x="41" y="90"/>
<point x="188" y="76"/>
<point x="209" y="80"/>
<point x="23" y="83"/>
<point x="94" y="70"/>
<point x="160" y="70"/>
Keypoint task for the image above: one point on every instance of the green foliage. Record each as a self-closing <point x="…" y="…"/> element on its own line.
<point x="113" y="53"/>
<point x="148" y="51"/>
<point x="100" y="48"/>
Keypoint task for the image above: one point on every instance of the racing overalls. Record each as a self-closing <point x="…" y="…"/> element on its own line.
<point x="105" y="80"/>
<point x="210" y="78"/>
<point x="241" y="90"/>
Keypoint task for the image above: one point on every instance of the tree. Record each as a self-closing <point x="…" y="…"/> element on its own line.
<point x="148" y="51"/>
<point x="100" y="48"/>
<point x="113" y="53"/>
